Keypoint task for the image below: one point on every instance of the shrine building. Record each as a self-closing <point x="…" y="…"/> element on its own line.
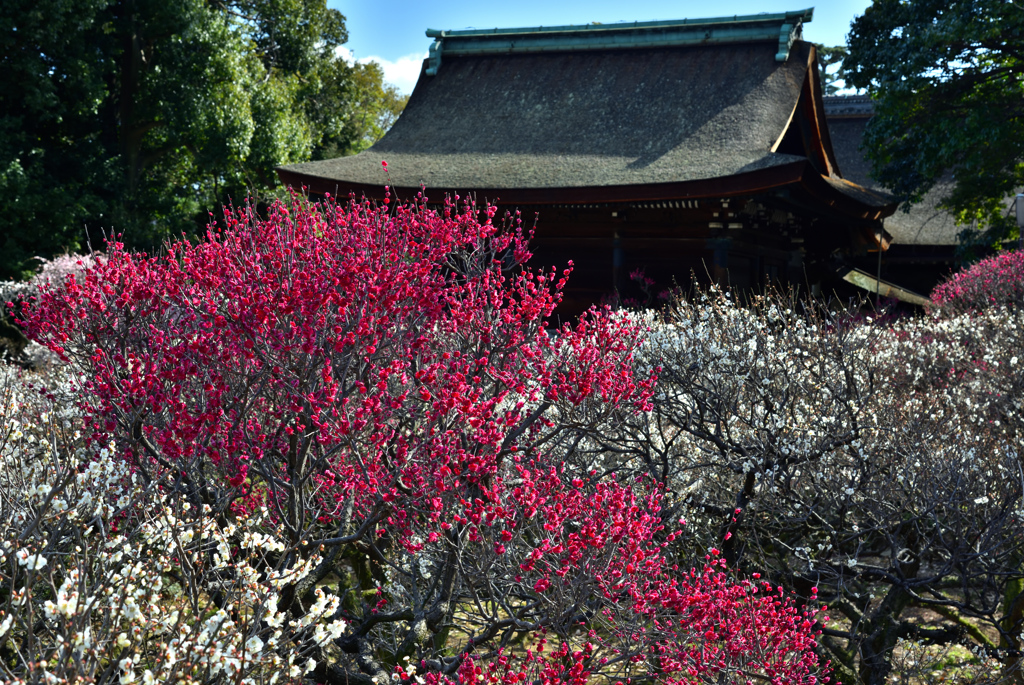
<point x="697" y="146"/>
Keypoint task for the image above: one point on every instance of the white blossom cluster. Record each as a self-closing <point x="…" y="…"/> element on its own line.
<point x="917" y="661"/>
<point x="9" y="290"/>
<point x="764" y="390"/>
<point x="53" y="272"/>
<point x="104" y="577"/>
<point x="859" y="450"/>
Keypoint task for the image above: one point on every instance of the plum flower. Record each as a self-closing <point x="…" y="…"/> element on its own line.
<point x="32" y="562"/>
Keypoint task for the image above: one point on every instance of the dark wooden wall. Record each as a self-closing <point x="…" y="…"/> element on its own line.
<point x="740" y="242"/>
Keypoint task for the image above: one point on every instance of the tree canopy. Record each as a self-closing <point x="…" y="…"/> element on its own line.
<point x="830" y="63"/>
<point x="137" y="117"/>
<point x="947" y="82"/>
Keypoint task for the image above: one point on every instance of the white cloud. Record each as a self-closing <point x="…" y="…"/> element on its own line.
<point x="401" y="73"/>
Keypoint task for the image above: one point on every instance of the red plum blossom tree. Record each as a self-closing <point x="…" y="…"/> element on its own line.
<point x="992" y="282"/>
<point x="377" y="444"/>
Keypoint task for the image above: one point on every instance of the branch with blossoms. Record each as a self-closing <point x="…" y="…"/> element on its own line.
<point x="994" y="282"/>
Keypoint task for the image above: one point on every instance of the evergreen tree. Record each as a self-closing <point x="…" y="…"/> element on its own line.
<point x="947" y="82"/>
<point x="137" y="117"/>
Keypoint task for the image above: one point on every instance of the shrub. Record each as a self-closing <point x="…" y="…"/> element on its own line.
<point x="373" y="390"/>
<point x="992" y="282"/>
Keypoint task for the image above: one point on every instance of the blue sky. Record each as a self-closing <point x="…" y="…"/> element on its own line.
<point x="392" y="33"/>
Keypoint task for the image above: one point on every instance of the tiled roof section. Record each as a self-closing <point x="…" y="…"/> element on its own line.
<point x="784" y="28"/>
<point x="594" y="118"/>
<point x="848" y="106"/>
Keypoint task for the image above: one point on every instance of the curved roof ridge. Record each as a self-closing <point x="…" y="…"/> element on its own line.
<point x="785" y="27"/>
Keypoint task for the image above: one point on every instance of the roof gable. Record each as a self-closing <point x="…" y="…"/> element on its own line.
<point x="807" y="133"/>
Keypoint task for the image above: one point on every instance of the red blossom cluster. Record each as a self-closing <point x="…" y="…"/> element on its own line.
<point x="382" y="381"/>
<point x="995" y="281"/>
<point x="741" y="623"/>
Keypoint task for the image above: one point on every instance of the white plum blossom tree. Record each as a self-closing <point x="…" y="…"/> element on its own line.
<point x="103" y="579"/>
<point x="877" y="458"/>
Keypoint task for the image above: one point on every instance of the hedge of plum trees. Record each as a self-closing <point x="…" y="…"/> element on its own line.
<point x="337" y="444"/>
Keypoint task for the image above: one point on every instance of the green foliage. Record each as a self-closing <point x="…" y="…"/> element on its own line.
<point x="947" y="82"/>
<point x="374" y="107"/>
<point x="830" y="61"/>
<point x="140" y="116"/>
<point x="46" y="139"/>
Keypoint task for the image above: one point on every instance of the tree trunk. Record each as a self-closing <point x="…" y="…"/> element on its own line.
<point x="129" y="134"/>
<point x="1013" y="617"/>
<point x="880" y="634"/>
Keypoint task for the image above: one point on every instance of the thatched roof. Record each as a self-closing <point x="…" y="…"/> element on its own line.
<point x="926" y="223"/>
<point x="573" y="119"/>
<point x="590" y="119"/>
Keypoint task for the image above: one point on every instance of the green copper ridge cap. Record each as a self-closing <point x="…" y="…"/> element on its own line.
<point x="785" y="27"/>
